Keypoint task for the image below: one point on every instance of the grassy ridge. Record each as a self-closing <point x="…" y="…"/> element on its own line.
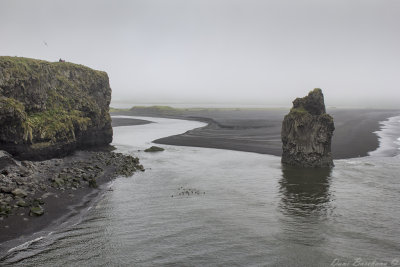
<point x="48" y="102"/>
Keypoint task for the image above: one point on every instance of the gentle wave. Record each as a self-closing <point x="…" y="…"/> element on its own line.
<point x="388" y="136"/>
<point x="25" y="245"/>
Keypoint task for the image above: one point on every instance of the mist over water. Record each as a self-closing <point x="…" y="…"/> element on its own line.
<point x="219" y="51"/>
<point x="253" y="211"/>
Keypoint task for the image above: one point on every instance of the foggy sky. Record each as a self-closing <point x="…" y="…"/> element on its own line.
<point x="219" y="51"/>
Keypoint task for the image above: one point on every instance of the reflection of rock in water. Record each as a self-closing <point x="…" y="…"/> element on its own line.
<point x="305" y="191"/>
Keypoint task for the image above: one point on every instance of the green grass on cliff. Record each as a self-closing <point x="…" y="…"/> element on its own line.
<point x="53" y="125"/>
<point x="299" y="110"/>
<point x="46" y="126"/>
<point x="66" y="98"/>
<point x="316" y="90"/>
<point x="12" y="104"/>
<point x="22" y="67"/>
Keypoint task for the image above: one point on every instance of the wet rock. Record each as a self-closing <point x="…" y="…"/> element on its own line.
<point x="140" y="168"/>
<point x="27" y="180"/>
<point x="36" y="211"/>
<point x="58" y="182"/>
<point x="5" y="210"/>
<point x="28" y="164"/>
<point x="93" y="183"/>
<point x="154" y="149"/>
<point x="6" y="190"/>
<point x="6" y="160"/>
<point x="46" y="195"/>
<point x="18" y="192"/>
<point x="22" y="203"/>
<point x="37" y="202"/>
<point x="307" y="133"/>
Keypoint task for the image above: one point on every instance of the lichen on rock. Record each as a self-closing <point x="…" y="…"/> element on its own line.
<point x="49" y="109"/>
<point x="307" y="132"/>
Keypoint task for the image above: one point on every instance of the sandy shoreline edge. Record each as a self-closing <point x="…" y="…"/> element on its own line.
<point x="259" y="130"/>
<point x="62" y="207"/>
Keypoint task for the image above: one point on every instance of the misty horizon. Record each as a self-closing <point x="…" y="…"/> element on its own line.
<point x="256" y="53"/>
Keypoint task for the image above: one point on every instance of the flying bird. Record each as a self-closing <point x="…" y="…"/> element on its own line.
<point x="45" y="43"/>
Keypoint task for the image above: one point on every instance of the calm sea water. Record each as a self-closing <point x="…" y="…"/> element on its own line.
<point x="249" y="211"/>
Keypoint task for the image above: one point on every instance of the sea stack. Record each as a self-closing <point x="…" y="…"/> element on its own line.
<point x="51" y="109"/>
<point x="307" y="132"/>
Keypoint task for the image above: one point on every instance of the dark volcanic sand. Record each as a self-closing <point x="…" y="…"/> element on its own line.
<point x="258" y="130"/>
<point x="354" y="131"/>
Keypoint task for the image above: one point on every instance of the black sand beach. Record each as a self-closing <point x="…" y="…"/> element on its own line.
<point x="258" y="130"/>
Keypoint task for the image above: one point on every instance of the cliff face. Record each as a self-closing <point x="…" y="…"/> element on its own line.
<point x="50" y="109"/>
<point x="307" y="133"/>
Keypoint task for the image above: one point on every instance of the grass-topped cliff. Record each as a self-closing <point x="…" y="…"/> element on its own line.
<point x="47" y="109"/>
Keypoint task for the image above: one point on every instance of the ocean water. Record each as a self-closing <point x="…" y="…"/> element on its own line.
<point x="246" y="210"/>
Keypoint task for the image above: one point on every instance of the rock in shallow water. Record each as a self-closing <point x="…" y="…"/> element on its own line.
<point x="307" y="133"/>
<point x="18" y="192"/>
<point x="154" y="149"/>
<point x="37" y="211"/>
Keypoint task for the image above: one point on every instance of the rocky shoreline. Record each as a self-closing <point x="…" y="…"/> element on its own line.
<point x="34" y="193"/>
<point x="49" y="113"/>
<point x="51" y="109"/>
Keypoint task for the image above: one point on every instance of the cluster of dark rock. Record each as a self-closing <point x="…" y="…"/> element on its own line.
<point x="188" y="192"/>
<point x="25" y="185"/>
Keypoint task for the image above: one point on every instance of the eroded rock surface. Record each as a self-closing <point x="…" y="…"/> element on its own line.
<point x="50" y="109"/>
<point x="307" y="132"/>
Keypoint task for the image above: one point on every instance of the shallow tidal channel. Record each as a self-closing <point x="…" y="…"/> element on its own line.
<point x="237" y="209"/>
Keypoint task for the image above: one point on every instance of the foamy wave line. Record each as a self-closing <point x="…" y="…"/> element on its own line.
<point x="30" y="242"/>
<point x="26" y="244"/>
<point x="388" y="136"/>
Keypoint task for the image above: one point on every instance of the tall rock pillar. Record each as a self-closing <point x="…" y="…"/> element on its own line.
<point x="307" y="132"/>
